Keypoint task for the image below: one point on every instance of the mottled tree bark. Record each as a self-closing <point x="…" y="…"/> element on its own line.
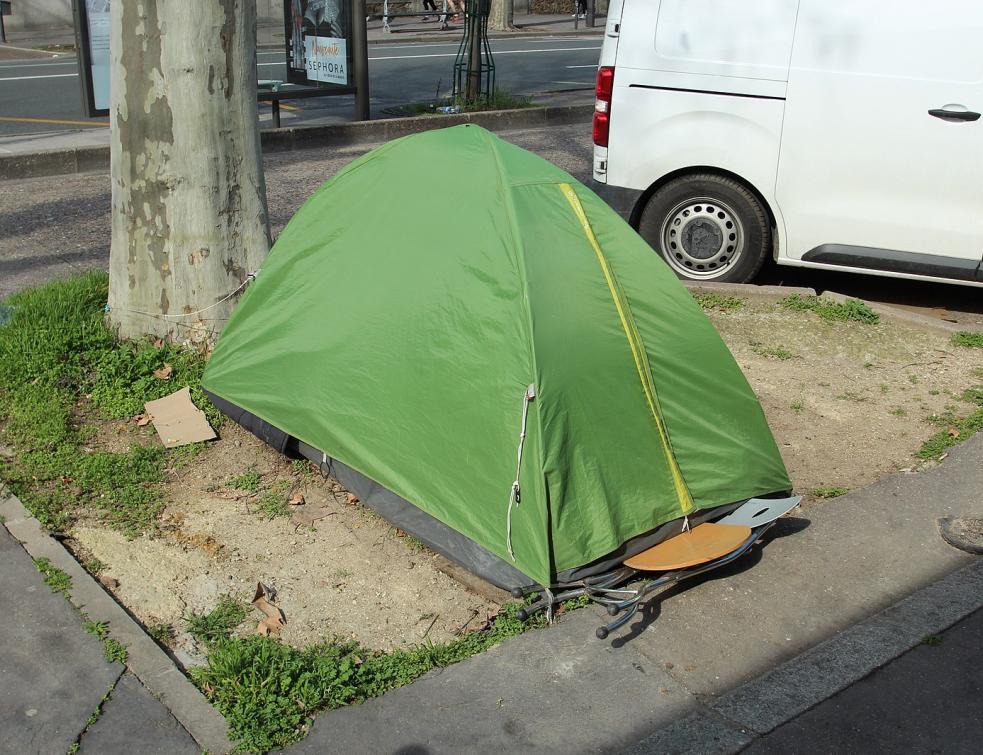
<point x="501" y="17"/>
<point x="189" y="219"/>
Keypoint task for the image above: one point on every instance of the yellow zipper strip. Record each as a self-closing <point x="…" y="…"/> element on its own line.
<point x="637" y="351"/>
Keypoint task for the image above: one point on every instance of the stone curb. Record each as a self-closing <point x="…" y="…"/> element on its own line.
<point x="151" y="665"/>
<point x="57" y="162"/>
<point x="732" y="721"/>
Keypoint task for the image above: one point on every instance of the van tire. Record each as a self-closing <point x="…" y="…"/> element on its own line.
<point x="707" y="228"/>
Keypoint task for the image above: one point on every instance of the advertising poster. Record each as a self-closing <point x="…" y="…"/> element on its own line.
<point x="97" y="15"/>
<point x="92" y="28"/>
<point x="318" y="42"/>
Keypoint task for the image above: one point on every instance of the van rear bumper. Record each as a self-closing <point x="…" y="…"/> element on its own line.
<point x="622" y="200"/>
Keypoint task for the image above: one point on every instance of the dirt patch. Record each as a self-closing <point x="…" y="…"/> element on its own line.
<point x="349" y="575"/>
<point x="848" y="402"/>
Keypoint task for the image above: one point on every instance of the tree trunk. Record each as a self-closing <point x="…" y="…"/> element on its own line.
<point x="189" y="219"/>
<point x="501" y="17"/>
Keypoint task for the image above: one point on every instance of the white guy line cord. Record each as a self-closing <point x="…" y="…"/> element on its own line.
<point x="249" y="278"/>
<point x="515" y="496"/>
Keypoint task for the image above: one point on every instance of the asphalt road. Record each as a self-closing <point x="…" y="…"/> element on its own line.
<point x="44" y="95"/>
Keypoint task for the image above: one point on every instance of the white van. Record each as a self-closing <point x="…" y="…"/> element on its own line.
<point x="834" y="134"/>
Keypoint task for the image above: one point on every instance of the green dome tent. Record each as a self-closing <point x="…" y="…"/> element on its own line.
<point x="491" y="358"/>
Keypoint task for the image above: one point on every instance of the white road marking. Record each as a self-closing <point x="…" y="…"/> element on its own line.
<point x="593" y="65"/>
<point x="46" y="76"/>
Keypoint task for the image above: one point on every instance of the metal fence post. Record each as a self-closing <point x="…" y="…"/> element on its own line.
<point x="360" y="53"/>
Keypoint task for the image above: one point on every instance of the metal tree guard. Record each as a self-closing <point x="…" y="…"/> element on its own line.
<point x="474" y="67"/>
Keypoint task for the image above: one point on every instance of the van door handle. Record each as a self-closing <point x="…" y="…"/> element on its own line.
<point x="954" y="115"/>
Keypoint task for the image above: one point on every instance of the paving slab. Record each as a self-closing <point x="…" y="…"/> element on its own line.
<point x="928" y="700"/>
<point x="132" y="721"/>
<point x="52" y="674"/>
<point x="826" y="568"/>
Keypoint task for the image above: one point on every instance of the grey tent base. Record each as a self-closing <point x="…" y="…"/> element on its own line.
<point x="435" y="534"/>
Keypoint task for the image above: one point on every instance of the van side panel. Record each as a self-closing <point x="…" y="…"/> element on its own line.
<point x="698" y="84"/>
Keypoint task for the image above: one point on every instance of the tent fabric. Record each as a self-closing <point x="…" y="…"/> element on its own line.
<point x="409" y="304"/>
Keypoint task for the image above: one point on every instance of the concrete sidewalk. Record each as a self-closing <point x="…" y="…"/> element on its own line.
<point x="56" y="688"/>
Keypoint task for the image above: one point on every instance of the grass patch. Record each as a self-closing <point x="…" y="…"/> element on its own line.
<point x="956" y="428"/>
<point x="499" y="100"/>
<point x="248" y="481"/>
<point x="932" y="640"/>
<point x="718" y="302"/>
<point x="60" y="369"/>
<point x="59" y="581"/>
<point x="852" y="310"/>
<point x="773" y="352"/>
<point x="268" y="691"/>
<point x="830" y="492"/>
<point x="114" y="650"/>
<point x="210" y="629"/>
<point x="273" y="502"/>
<point x="968" y="339"/>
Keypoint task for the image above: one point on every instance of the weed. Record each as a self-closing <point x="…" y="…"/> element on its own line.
<point x="248" y="481"/>
<point x="216" y="626"/>
<point x="718" y="302"/>
<point x="304" y="468"/>
<point x="968" y="339"/>
<point x="56" y="579"/>
<point x="273" y="502"/>
<point x="268" y="690"/>
<point x="957" y="429"/>
<point x="851" y="396"/>
<point x="162" y="633"/>
<point x="852" y="310"/>
<point x="830" y="492"/>
<point x="913" y="379"/>
<point x="899" y="411"/>
<point x="113" y="650"/>
<point x="775" y="352"/>
<point x="885" y="388"/>
<point x="93" y="566"/>
<point x="934" y="392"/>
<point x="797" y="407"/>
<point x="932" y="640"/>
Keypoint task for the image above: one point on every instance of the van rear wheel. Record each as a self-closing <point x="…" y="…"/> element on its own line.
<point x="707" y="228"/>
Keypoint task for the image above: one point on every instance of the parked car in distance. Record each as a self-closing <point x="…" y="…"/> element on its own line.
<point x="834" y="134"/>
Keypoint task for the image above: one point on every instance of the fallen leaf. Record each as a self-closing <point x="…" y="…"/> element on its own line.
<point x="297" y="499"/>
<point x="351" y="500"/>
<point x="164" y="373"/>
<point x="275" y="619"/>
<point x="158" y="343"/>
<point x="108" y="582"/>
<point x="142" y="420"/>
<point x="953" y="432"/>
<point x="268" y="626"/>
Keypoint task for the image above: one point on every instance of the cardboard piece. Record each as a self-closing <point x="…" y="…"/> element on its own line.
<point x="178" y="421"/>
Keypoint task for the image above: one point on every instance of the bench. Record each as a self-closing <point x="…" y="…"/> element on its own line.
<point x="402" y="5"/>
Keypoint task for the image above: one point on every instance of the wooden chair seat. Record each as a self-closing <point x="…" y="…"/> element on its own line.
<point x="702" y="544"/>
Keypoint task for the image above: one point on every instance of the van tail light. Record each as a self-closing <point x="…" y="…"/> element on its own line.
<point x="602" y="105"/>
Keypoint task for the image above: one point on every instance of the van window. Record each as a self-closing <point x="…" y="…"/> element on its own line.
<point x="913" y="39"/>
<point x="727" y="37"/>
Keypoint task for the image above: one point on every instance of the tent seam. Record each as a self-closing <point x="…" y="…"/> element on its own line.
<point x="638" y="350"/>
<point x="519" y="246"/>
